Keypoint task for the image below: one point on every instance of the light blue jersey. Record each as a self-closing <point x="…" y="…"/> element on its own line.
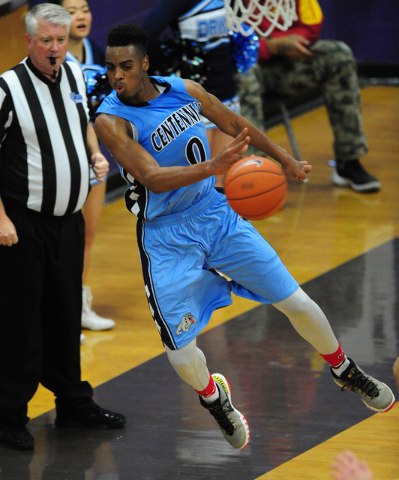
<point x="187" y="236"/>
<point x="171" y="129"/>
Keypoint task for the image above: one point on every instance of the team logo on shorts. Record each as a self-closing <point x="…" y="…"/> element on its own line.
<point x="186" y="323"/>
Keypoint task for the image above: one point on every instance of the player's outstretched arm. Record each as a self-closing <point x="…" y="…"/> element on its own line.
<point x="116" y="135"/>
<point x="232" y="123"/>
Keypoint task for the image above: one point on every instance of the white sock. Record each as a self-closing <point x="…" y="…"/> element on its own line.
<point x="211" y="398"/>
<point x="341" y="368"/>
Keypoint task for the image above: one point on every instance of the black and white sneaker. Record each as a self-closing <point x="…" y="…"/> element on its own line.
<point x="352" y="174"/>
<point x="232" y="423"/>
<point x="376" y="395"/>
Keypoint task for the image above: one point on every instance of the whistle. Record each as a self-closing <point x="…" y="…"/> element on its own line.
<point x="52" y="62"/>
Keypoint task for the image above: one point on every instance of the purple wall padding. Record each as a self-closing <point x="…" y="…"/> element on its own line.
<point x="369" y="27"/>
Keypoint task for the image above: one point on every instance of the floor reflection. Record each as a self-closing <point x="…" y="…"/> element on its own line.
<point x="281" y="385"/>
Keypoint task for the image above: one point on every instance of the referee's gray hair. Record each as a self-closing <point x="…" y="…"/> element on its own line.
<point x="49" y="12"/>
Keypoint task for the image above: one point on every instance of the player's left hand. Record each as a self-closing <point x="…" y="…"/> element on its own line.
<point x="295" y="170"/>
<point x="100" y="166"/>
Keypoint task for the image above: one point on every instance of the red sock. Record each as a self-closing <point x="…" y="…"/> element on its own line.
<point x="209" y="390"/>
<point x="335" y="359"/>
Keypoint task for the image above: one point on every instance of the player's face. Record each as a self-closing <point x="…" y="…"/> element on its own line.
<point x="80" y="16"/>
<point x="126" y="70"/>
<point x="49" y="41"/>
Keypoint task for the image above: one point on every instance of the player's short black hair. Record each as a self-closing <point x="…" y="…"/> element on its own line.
<point x="128" y="34"/>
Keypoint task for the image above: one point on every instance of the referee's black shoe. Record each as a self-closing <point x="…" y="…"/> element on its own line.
<point x="16" y="437"/>
<point x="92" y="416"/>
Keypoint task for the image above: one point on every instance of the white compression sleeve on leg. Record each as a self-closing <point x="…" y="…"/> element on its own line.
<point x="190" y="364"/>
<point x="309" y="321"/>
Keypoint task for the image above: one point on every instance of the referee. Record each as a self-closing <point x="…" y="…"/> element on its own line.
<point x="47" y="143"/>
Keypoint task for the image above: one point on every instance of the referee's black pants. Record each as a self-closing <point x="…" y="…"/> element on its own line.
<point x="40" y="312"/>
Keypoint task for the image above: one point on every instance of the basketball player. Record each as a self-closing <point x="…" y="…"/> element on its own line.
<point x="187" y="232"/>
<point x="204" y="23"/>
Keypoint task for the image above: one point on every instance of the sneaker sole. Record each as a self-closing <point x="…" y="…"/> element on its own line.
<point x="389" y="407"/>
<point x="93" y="426"/>
<point x="98" y="326"/>
<point x="224" y="383"/>
<point x="339" y="181"/>
<point x="384" y="410"/>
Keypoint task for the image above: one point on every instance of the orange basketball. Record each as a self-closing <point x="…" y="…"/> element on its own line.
<point x="255" y="188"/>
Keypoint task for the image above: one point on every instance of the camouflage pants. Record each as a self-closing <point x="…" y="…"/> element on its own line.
<point x="333" y="71"/>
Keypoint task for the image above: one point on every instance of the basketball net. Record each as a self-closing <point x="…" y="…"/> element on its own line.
<point x="280" y="14"/>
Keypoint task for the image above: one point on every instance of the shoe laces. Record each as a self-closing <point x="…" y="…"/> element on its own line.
<point x="362" y="382"/>
<point x="220" y="413"/>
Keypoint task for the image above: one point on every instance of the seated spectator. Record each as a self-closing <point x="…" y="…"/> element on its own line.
<point x="295" y="62"/>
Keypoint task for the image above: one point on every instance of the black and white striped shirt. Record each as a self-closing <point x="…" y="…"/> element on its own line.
<point x="44" y="156"/>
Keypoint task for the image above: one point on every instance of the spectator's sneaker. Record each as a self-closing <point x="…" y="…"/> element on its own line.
<point x="232" y="423"/>
<point x="90" y="319"/>
<point x="376" y="395"/>
<point x="352" y="174"/>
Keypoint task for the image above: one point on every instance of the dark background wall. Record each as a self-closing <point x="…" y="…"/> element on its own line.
<point x="369" y="27"/>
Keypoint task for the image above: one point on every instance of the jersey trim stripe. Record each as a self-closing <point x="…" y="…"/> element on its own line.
<point x="163" y="328"/>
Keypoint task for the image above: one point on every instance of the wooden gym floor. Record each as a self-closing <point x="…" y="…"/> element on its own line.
<point x="342" y="247"/>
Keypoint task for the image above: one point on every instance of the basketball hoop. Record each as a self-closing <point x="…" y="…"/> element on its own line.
<point x="280" y="14"/>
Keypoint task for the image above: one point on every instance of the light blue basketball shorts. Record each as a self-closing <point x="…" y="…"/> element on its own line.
<point x="181" y="255"/>
<point x="232" y="103"/>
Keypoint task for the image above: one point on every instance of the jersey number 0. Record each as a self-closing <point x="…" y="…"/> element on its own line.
<point x="195" y="151"/>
